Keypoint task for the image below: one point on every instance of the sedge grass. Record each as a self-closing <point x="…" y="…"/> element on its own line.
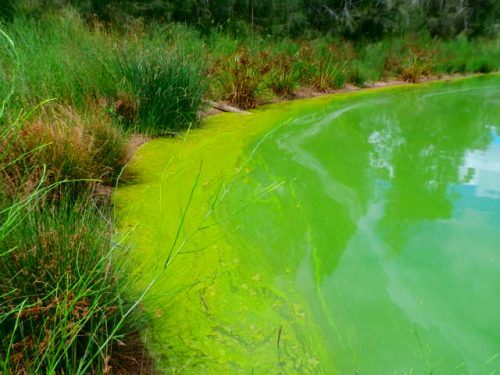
<point x="61" y="145"/>
<point x="153" y="76"/>
<point x="81" y="65"/>
<point x="60" y="296"/>
<point x="168" y="87"/>
<point x="66" y="300"/>
<point x="59" y="57"/>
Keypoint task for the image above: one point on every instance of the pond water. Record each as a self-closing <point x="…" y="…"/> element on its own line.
<point x="350" y="234"/>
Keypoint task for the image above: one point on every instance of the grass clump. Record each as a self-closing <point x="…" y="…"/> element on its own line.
<point x="324" y="64"/>
<point x="60" y="57"/>
<point x="358" y="75"/>
<point x="61" y="145"/>
<point x="462" y="55"/>
<point x="62" y="299"/>
<point x="284" y="75"/>
<point x="145" y="74"/>
<point x="65" y="298"/>
<point x="246" y="72"/>
<point x="241" y="76"/>
<point x="411" y="59"/>
<point x="167" y="87"/>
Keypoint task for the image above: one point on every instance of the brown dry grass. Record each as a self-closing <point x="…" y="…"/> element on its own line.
<point x="61" y="145"/>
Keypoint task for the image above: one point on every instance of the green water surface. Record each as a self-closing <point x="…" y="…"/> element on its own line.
<point x="350" y="234"/>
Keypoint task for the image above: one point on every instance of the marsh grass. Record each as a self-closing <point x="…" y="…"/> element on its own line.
<point x="462" y="55"/>
<point x="66" y="300"/>
<point x="241" y="76"/>
<point x="328" y="75"/>
<point x="60" y="57"/>
<point x="167" y="86"/>
<point x="144" y="73"/>
<point x="155" y="76"/>
<point x="63" y="287"/>
<point x="246" y="72"/>
<point x="58" y="144"/>
<point x="284" y="75"/>
<point x="60" y="294"/>
<point x="357" y="74"/>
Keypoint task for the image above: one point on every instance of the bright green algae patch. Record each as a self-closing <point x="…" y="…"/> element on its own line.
<point x="356" y="233"/>
<point x="216" y="307"/>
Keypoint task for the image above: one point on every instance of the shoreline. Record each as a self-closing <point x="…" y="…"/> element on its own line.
<point x="309" y="92"/>
<point x="215" y="108"/>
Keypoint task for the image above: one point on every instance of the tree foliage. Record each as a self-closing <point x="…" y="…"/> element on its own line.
<point x="354" y="19"/>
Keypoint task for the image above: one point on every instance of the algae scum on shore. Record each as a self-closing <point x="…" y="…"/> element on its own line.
<point x="354" y="233"/>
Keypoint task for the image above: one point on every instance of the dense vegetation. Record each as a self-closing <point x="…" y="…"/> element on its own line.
<point x="78" y="77"/>
<point x="355" y="19"/>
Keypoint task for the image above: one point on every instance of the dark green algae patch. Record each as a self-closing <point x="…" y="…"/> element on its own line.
<point x="354" y="233"/>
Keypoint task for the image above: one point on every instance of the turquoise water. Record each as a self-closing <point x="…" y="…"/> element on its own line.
<point x="351" y="234"/>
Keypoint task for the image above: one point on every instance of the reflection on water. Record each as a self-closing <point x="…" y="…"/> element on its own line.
<point x="387" y="218"/>
<point x="482" y="170"/>
<point x="359" y="234"/>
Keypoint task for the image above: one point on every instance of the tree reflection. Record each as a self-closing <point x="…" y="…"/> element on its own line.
<point x="403" y="149"/>
<point x="434" y="138"/>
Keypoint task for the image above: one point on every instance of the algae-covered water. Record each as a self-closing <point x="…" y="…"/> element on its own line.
<point x="350" y="234"/>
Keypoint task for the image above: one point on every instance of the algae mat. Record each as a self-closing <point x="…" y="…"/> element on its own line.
<point x="355" y="233"/>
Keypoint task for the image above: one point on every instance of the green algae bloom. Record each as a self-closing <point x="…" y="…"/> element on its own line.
<point x="354" y="233"/>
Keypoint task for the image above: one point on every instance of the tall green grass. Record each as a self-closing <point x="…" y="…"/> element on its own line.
<point x="62" y="291"/>
<point x="66" y="300"/>
<point x="153" y="73"/>
<point x="462" y="55"/>
<point x="153" y="77"/>
<point x="60" y="57"/>
<point x="167" y="86"/>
